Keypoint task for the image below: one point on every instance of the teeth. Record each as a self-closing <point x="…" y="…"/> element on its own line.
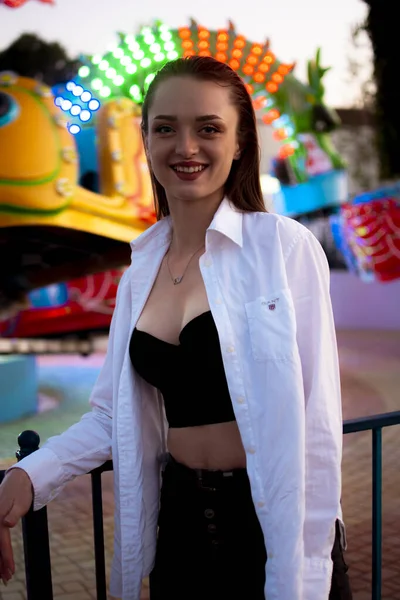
<point x="189" y="169"/>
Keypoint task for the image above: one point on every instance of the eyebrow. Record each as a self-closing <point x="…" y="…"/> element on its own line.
<point x="200" y="119"/>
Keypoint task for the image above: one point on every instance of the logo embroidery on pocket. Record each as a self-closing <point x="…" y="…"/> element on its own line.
<point x="272" y="306"/>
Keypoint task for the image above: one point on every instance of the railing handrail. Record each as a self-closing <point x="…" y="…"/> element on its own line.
<point x="372" y="422"/>
<point x="35" y="525"/>
<point x="368" y="423"/>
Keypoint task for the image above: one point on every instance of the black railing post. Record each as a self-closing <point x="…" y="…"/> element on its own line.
<point x="98" y="531"/>
<point x="377" y="514"/>
<point x="35" y="535"/>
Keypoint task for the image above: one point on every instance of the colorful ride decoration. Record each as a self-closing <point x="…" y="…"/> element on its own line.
<point x="367" y="232"/>
<point x="45" y="211"/>
<point x="39" y="173"/>
<point x="18" y="3"/>
<point x="296" y="110"/>
<point x="81" y="305"/>
<point x="70" y="203"/>
<point x="78" y="104"/>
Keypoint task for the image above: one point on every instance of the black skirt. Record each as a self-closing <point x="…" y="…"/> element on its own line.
<point x="210" y="544"/>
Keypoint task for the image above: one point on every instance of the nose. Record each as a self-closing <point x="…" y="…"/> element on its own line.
<point x="186" y="144"/>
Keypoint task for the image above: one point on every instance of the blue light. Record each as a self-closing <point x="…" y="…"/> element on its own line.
<point x="94" y="104"/>
<point x="85" y="116"/>
<point x="74" y="129"/>
<point x="66" y="104"/>
<point x="77" y="91"/>
<point x="78" y="102"/>
<point x="86" y="96"/>
<point x="75" y="110"/>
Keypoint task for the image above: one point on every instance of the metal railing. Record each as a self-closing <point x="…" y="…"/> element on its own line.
<point x="375" y="424"/>
<point x="36" y="534"/>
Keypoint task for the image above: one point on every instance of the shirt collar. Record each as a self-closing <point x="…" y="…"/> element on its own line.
<point x="227" y="220"/>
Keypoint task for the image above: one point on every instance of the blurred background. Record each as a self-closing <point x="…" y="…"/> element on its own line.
<point x="74" y="190"/>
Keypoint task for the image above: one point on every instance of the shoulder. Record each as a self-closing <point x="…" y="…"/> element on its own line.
<point x="274" y="229"/>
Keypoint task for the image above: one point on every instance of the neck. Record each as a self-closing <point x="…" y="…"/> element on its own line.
<point x="190" y="221"/>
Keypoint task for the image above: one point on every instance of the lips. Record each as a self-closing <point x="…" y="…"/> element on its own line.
<point x="189" y="168"/>
<point x="189" y="171"/>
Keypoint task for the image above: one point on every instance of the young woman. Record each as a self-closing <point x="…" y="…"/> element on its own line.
<point x="221" y="374"/>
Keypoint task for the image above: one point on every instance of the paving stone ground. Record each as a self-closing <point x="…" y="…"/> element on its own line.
<point x="371" y="384"/>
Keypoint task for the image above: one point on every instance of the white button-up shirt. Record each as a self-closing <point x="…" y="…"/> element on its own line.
<point x="267" y="281"/>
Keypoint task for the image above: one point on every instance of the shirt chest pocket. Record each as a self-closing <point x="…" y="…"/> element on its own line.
<point x="272" y="326"/>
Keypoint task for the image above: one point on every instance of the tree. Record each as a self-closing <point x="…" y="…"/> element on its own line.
<point x="30" y="56"/>
<point x="382" y="28"/>
<point x="356" y="139"/>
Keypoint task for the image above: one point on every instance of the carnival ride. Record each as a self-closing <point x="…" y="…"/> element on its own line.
<point x="82" y="305"/>
<point x="51" y="228"/>
<point x="367" y="232"/>
<point x="301" y="120"/>
<point x="80" y="190"/>
<point x="60" y="218"/>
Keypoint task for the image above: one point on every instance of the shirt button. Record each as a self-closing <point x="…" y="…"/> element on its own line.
<point x="208" y="262"/>
<point x="230" y="349"/>
<point x="260" y="504"/>
<point x="251" y="450"/>
<point x="218" y="301"/>
<point x="241" y="400"/>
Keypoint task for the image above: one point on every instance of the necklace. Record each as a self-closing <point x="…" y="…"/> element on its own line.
<point x="177" y="280"/>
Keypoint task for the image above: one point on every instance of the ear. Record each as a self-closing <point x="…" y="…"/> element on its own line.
<point x="238" y="153"/>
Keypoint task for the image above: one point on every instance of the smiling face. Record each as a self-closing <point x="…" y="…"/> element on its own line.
<point x="192" y="138"/>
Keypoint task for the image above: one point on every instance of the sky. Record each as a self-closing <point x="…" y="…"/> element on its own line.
<point x="296" y="28"/>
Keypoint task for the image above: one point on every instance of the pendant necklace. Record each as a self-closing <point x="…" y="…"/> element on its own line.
<point x="177" y="280"/>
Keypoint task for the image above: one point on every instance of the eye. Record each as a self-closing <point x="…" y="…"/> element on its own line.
<point x="163" y="129"/>
<point x="209" y="129"/>
<point x="9" y="109"/>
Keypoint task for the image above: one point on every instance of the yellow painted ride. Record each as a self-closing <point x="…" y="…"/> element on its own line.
<point x="51" y="228"/>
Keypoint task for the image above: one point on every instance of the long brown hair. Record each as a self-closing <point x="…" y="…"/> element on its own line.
<point x="243" y="187"/>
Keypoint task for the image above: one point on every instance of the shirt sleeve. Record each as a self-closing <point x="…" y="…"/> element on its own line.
<point x="81" y="448"/>
<point x="309" y="280"/>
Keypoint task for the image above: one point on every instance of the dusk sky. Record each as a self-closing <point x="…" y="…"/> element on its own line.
<point x="296" y="28"/>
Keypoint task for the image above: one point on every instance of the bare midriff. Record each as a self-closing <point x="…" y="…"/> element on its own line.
<point x="213" y="447"/>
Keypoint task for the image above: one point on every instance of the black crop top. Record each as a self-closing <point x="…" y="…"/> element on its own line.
<point x="190" y="376"/>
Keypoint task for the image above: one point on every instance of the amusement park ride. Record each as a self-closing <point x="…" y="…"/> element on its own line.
<point x="74" y="185"/>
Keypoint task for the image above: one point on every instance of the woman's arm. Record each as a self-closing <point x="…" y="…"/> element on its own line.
<point x="309" y="279"/>
<point x="84" y="446"/>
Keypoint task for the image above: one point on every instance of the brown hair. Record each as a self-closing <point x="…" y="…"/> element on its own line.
<point x="243" y="187"/>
